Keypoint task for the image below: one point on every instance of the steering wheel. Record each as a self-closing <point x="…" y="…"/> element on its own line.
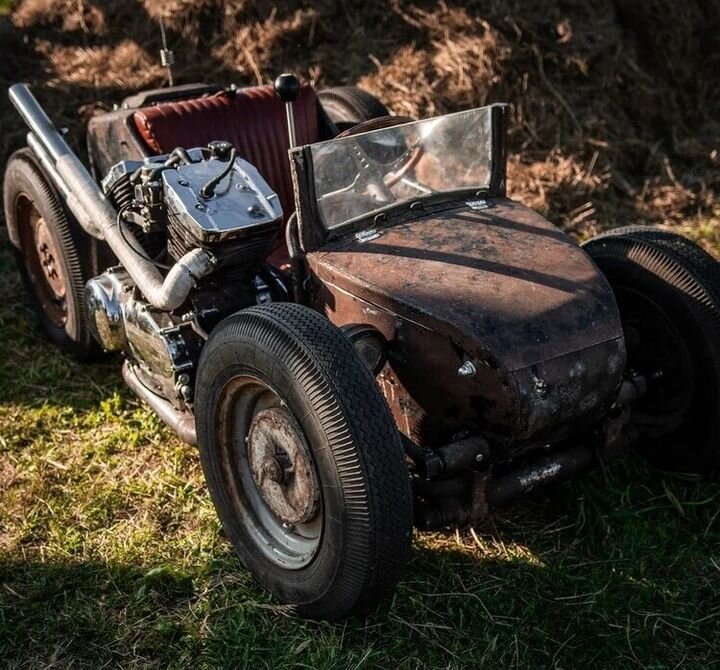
<point x="399" y="167"/>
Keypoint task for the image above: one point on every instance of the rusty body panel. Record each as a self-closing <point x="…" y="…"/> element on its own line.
<point x="502" y="289"/>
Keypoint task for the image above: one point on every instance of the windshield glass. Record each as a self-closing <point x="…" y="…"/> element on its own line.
<point x="358" y="175"/>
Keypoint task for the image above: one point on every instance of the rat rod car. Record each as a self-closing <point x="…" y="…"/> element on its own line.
<point x="355" y="325"/>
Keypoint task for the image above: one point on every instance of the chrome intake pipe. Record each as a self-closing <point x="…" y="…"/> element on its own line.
<point x="97" y="216"/>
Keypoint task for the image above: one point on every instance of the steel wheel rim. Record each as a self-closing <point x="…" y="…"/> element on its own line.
<point x="41" y="257"/>
<point x="289" y="546"/>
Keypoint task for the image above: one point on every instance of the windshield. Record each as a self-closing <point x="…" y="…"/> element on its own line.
<point x="357" y="175"/>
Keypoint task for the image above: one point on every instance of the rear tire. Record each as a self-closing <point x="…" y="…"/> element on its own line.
<point x="52" y="254"/>
<point x="323" y="518"/>
<point x="668" y="293"/>
<point x="346" y="106"/>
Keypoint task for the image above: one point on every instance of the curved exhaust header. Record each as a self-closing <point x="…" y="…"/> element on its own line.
<point x="97" y="216"/>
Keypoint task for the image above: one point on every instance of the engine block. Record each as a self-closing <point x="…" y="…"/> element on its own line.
<point x="204" y="198"/>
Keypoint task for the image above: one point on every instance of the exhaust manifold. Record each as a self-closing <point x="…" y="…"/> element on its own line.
<point x="97" y="216"/>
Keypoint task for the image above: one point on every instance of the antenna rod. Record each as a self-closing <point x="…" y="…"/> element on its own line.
<point x="167" y="57"/>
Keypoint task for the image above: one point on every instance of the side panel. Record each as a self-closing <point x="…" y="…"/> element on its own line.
<point x="420" y="362"/>
<point x="431" y="404"/>
<point x="112" y="138"/>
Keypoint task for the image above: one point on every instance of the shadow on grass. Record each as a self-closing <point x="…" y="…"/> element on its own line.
<point x="590" y="573"/>
<point x="644" y="596"/>
<point x="602" y="574"/>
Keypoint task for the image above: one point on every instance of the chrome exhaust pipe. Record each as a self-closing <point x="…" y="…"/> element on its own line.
<point x="181" y="423"/>
<point x="97" y="216"/>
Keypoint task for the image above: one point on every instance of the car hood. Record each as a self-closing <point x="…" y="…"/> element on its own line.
<point x="501" y="282"/>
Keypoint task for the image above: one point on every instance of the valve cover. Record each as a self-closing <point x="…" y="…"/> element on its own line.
<point x="242" y="205"/>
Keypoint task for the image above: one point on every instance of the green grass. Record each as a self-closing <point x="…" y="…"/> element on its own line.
<point x="111" y="555"/>
<point x="5" y="7"/>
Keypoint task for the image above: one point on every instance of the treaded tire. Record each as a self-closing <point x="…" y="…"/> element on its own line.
<point x="668" y="292"/>
<point x="346" y="106"/>
<point x="365" y="490"/>
<point x="27" y="195"/>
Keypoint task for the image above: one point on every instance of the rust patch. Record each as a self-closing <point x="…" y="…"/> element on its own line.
<point x="282" y="466"/>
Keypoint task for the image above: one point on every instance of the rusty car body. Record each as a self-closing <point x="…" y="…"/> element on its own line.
<point x="352" y="320"/>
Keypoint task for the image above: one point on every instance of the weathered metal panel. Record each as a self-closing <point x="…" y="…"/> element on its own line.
<point x="502" y="278"/>
<point x="501" y="288"/>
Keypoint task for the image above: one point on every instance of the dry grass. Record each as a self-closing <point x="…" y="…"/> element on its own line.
<point x="615" y="105"/>
<point x="110" y="554"/>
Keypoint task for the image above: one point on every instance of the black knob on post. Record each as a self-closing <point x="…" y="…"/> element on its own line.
<point x="287" y="87"/>
<point x="220" y="149"/>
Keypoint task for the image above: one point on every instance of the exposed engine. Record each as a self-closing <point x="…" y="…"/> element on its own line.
<point x="202" y="198"/>
<point x="167" y="206"/>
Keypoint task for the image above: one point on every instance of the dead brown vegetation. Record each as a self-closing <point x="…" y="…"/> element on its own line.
<point x="615" y="105"/>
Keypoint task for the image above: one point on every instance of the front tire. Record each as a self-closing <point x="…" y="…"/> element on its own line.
<point x="668" y="294"/>
<point x="303" y="461"/>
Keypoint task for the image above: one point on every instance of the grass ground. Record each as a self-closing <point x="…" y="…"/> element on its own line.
<point x="110" y="551"/>
<point x="111" y="556"/>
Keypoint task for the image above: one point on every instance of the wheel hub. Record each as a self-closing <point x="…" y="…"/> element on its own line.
<point x="43" y="262"/>
<point x="46" y="256"/>
<point x="282" y="466"/>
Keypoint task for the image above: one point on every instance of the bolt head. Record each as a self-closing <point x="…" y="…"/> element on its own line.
<point x="467" y="369"/>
